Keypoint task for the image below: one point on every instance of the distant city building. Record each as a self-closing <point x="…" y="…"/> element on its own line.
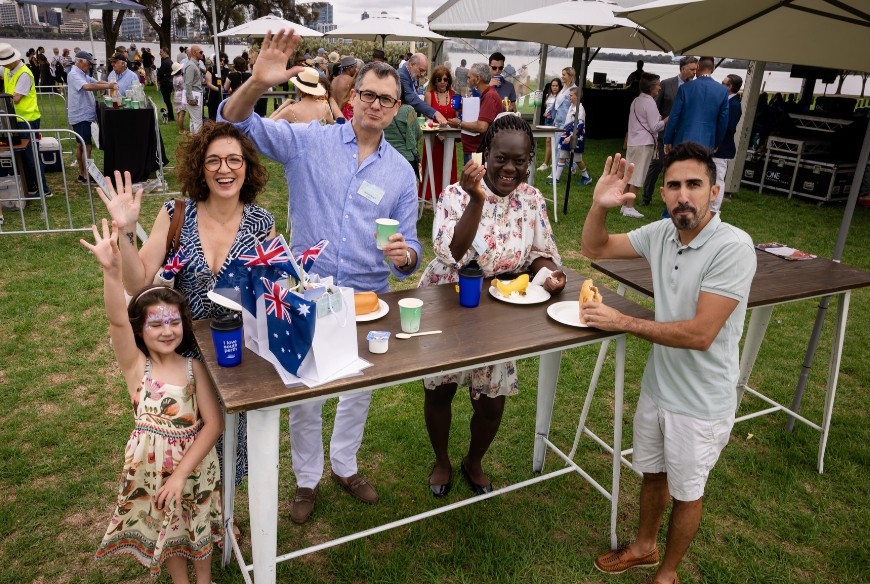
<point x="324" y="28"/>
<point x="28" y="14"/>
<point x="52" y="17"/>
<point x="9" y="15"/>
<point x="325" y="14"/>
<point x="74" y="27"/>
<point x="365" y="16"/>
<point x="131" y="27"/>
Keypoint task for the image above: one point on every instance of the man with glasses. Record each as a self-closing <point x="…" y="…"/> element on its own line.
<point x="503" y="86"/>
<point x="410" y="76"/>
<point x="366" y="179"/>
<point x="193" y="88"/>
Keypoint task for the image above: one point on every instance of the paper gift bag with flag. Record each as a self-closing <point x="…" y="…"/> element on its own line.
<point x="334" y="347"/>
<point x="289" y="323"/>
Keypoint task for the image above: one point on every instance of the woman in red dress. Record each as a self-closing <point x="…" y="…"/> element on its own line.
<point x="439" y="98"/>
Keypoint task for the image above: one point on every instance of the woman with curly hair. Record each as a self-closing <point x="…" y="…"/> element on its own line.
<point x="221" y="174"/>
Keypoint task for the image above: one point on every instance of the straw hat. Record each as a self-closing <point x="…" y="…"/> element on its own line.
<point x="8" y="54"/>
<point x="176" y="67"/>
<point x="308" y="81"/>
<point x="334" y="57"/>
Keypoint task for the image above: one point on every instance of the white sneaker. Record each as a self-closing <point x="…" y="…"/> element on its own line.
<point x="631" y="212"/>
<point x="543" y="167"/>
<point x="74" y="162"/>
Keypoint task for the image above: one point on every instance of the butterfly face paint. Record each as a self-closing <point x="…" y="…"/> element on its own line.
<point x="162" y="316"/>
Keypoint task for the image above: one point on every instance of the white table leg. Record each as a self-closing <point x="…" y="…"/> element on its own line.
<point x="602" y="354"/>
<point x="618" y="392"/>
<point x="231" y="432"/>
<point x="430" y="172"/>
<point x="754" y="336"/>
<point x="833" y="372"/>
<point x="447" y="165"/>
<point x="555" y="158"/>
<point x="263" y="426"/>
<point x="548" y="376"/>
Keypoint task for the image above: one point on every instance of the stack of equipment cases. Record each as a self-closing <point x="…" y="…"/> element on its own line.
<point x="824" y="181"/>
<point x="778" y="177"/>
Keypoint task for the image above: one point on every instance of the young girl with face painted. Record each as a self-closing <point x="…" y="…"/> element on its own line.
<point x="169" y="508"/>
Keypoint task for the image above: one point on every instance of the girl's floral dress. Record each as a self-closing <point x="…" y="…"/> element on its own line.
<point x="167" y="422"/>
<point x="516" y="231"/>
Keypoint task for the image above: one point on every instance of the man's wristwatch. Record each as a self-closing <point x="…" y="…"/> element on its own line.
<point x="407" y="259"/>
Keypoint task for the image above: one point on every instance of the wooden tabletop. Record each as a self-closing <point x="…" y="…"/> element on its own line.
<point x="493" y="331"/>
<point x="776" y="279"/>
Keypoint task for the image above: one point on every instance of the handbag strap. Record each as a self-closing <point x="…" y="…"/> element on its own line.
<point x="654" y="137"/>
<point x="173" y="238"/>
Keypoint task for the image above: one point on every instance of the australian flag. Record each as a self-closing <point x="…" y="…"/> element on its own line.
<point x="175" y="264"/>
<point x="306" y="258"/>
<point x="241" y="278"/>
<point x="290" y="321"/>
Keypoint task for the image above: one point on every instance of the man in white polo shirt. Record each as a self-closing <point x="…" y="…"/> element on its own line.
<point x="702" y="269"/>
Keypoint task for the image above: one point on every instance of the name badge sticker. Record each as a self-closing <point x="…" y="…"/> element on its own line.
<point x="371" y="192"/>
<point x="479" y="244"/>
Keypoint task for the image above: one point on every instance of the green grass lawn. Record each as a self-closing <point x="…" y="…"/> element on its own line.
<point x="769" y="517"/>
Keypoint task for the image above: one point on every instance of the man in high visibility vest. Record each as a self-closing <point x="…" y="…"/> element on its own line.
<point x="18" y="80"/>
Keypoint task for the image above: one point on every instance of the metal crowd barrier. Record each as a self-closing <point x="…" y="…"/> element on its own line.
<point x="23" y="199"/>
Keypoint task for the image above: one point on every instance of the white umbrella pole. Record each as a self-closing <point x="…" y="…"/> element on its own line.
<point x="581" y="83"/>
<point x="838" y="253"/>
<point x="91" y="32"/>
<point x="217" y="50"/>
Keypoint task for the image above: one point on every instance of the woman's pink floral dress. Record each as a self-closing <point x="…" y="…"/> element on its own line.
<point x="167" y="422"/>
<point x="516" y="231"/>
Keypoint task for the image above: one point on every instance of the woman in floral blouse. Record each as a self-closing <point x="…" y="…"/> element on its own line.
<point x="494" y="204"/>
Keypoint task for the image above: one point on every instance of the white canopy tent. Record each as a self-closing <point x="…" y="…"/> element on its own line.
<point x="260" y="26"/>
<point x="821" y="33"/>
<point x="384" y="29"/>
<point x="469" y="18"/>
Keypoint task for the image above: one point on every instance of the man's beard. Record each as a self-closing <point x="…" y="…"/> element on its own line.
<point x="687" y="223"/>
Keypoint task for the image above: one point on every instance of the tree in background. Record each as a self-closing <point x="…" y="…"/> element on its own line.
<point x="111" y="30"/>
<point x="229" y="14"/>
<point x="841" y="77"/>
<point x="864" y="75"/>
<point x="164" y="9"/>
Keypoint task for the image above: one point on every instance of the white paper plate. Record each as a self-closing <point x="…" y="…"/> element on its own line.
<point x="382" y="311"/>
<point x="534" y="295"/>
<point x="223" y="301"/>
<point x="567" y="312"/>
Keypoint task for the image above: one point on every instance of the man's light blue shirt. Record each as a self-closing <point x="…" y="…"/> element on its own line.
<point x="80" y="104"/>
<point x="124" y="80"/>
<point x="325" y="199"/>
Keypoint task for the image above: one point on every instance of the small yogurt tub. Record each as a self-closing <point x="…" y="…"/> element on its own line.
<point x="378" y="341"/>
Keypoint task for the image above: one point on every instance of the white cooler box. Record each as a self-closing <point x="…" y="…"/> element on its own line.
<point x="49" y="152"/>
<point x="9" y="194"/>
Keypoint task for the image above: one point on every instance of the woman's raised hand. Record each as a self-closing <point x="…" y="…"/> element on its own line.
<point x="271" y="67"/>
<point x="123" y="206"/>
<point x="610" y="188"/>
<point x="472" y="174"/>
<point x="106" y="247"/>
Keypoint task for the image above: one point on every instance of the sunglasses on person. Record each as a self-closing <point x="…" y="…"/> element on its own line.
<point x="386" y="101"/>
<point x="494" y="68"/>
<point x="234" y="162"/>
<point x="443" y="79"/>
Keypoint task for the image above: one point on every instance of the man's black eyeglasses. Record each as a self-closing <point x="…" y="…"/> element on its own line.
<point x="385" y="100"/>
<point x="494" y="68"/>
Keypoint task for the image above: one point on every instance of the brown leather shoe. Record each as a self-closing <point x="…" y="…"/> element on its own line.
<point x="358" y="487"/>
<point x="302" y="504"/>
<point x="621" y="559"/>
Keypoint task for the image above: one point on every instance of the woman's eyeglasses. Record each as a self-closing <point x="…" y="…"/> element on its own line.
<point x="442" y="79"/>
<point x="234" y="162"/>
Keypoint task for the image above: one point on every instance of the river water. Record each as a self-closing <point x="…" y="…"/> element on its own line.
<point x="24" y="45"/>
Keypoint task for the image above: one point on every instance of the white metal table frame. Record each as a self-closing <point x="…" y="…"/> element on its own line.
<point x="263" y="462"/>
<point x="758" y="322"/>
<point x="450" y="146"/>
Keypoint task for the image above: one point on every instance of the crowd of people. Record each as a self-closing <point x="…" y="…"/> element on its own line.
<point x="687" y="403"/>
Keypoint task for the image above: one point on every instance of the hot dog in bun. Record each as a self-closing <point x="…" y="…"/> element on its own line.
<point x="588" y="293"/>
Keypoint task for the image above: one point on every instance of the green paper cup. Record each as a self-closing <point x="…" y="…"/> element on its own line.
<point x="410" y="311"/>
<point x="385" y="228"/>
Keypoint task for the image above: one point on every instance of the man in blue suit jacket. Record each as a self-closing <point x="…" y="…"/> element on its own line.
<point x="700" y="112"/>
<point x="728" y="149"/>
<point x="409" y="75"/>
